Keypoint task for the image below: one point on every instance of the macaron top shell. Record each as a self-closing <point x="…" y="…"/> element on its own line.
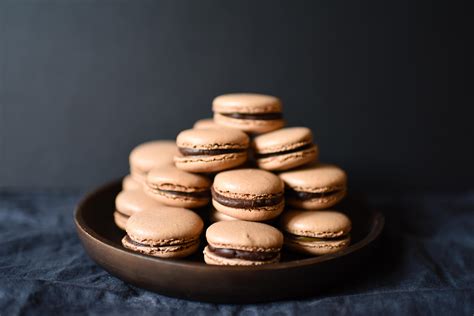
<point x="172" y="178"/>
<point x="321" y="224"/>
<point x="205" y="123"/>
<point x="133" y="201"/>
<point x="247" y="182"/>
<point x="165" y="226"/>
<point x="213" y="138"/>
<point x="282" y="140"/>
<point x="246" y="103"/>
<point x="242" y="235"/>
<point x="315" y="178"/>
<point x="153" y="154"/>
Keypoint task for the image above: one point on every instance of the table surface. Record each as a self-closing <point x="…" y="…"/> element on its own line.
<point x="425" y="264"/>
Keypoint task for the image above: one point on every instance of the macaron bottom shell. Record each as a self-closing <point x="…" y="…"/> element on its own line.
<point x="251" y="214"/>
<point x="289" y="160"/>
<point x="317" y="203"/>
<point x="210" y="163"/>
<point x="163" y="251"/>
<point x="176" y="199"/>
<point x="316" y="246"/>
<point x="213" y="259"/>
<point x="247" y="125"/>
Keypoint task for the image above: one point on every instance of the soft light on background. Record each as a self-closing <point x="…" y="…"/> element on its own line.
<point x="381" y="85"/>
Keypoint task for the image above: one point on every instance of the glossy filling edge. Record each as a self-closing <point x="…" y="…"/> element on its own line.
<point x="243" y="203"/>
<point x="230" y="253"/>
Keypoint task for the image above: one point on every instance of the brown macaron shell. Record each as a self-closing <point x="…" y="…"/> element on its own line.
<point x="205" y="124"/>
<point x="243" y="236"/>
<point x="128" y="183"/>
<point x="247" y="111"/>
<point x="248" y="194"/>
<point x="167" y="232"/>
<point x="317" y="186"/>
<point x="285" y="148"/>
<point x="174" y="187"/>
<point x="211" y="150"/>
<point x="120" y="220"/>
<point x="216" y="216"/>
<point x="323" y="231"/>
<point x="150" y="155"/>
<point x="130" y="202"/>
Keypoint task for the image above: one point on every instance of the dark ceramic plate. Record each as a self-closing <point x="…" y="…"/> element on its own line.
<point x="295" y="276"/>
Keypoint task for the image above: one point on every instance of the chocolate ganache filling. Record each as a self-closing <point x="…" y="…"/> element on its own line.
<point x="290" y="193"/>
<point x="314" y="239"/>
<point x="243" y="203"/>
<point x="138" y="244"/>
<point x="196" y="195"/>
<point x="255" y="116"/>
<point x="209" y="152"/>
<point x="290" y="151"/>
<point x="243" y="254"/>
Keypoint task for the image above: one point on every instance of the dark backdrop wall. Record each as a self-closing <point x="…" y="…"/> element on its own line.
<point x="381" y="84"/>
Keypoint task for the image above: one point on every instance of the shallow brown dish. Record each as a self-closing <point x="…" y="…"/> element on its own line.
<point x="296" y="276"/>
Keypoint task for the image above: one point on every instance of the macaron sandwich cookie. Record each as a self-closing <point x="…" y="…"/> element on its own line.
<point x="253" y="113"/>
<point x="285" y="148"/>
<point x="211" y="150"/>
<point x="172" y="186"/>
<point x="241" y="243"/>
<point x="149" y="155"/>
<point x="248" y="194"/>
<point x="165" y="232"/>
<point x="316" y="232"/>
<point x="317" y="186"/>
<point x="130" y="202"/>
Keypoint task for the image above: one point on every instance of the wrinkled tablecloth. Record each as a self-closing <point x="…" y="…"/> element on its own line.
<point x="425" y="265"/>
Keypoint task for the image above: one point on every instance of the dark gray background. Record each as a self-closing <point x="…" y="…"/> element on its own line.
<point x="381" y="85"/>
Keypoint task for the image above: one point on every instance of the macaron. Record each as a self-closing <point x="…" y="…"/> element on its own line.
<point x="206" y="123"/>
<point x="166" y="232"/>
<point x="241" y="243"/>
<point x="248" y="194"/>
<point x="149" y="155"/>
<point x="317" y="186"/>
<point x="172" y="186"/>
<point x="249" y="112"/>
<point x="316" y="232"/>
<point x="128" y="183"/>
<point x="285" y="148"/>
<point x="211" y="150"/>
<point x="216" y="216"/>
<point x="130" y="202"/>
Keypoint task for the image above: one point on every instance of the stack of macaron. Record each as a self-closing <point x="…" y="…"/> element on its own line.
<point x="259" y="184"/>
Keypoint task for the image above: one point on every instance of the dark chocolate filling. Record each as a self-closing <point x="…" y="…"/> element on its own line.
<point x="255" y="116"/>
<point x="138" y="244"/>
<point x="243" y="254"/>
<point x="300" y="195"/>
<point x="241" y="203"/>
<point x="304" y="147"/>
<point x="209" y="152"/>
<point x="196" y="195"/>
<point x="315" y="239"/>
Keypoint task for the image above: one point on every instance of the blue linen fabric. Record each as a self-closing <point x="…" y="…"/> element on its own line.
<point x="425" y="265"/>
